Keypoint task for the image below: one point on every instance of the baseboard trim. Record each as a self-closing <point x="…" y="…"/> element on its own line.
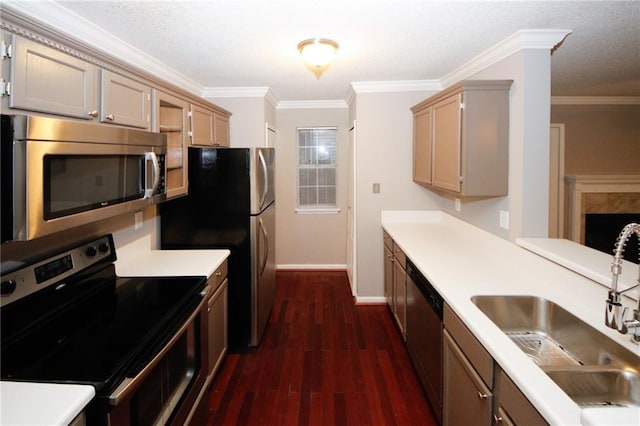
<point x="370" y="300"/>
<point x="310" y="267"/>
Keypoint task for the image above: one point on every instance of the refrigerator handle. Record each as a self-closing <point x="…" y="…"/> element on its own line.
<point x="263" y="263"/>
<point x="265" y="177"/>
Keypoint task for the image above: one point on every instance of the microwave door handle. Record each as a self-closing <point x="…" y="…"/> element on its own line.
<point x="149" y="192"/>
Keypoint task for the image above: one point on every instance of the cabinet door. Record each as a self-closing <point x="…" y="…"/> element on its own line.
<point x="46" y="80"/>
<point x="388" y="276"/>
<point x="217" y="314"/>
<point x="446" y="143"/>
<point x="422" y="138"/>
<point x="124" y="101"/>
<point x="400" y="295"/>
<point x="202" y="125"/>
<point x="221" y="129"/>
<point x="171" y="118"/>
<point x="466" y="399"/>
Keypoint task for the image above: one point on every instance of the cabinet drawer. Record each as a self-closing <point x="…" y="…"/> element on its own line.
<point x="400" y="257"/>
<point x="518" y="408"/>
<point x="218" y="276"/>
<point x="473" y="350"/>
<point x="388" y="241"/>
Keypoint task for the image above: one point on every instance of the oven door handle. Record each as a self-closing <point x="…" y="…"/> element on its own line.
<point x="130" y="384"/>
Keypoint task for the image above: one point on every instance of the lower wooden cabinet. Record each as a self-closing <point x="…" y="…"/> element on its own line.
<point x="512" y="407"/>
<point x="475" y="390"/>
<point x="217" y="310"/>
<point x="400" y="290"/>
<point x="466" y="398"/>
<point x="388" y="276"/>
<point x="395" y="282"/>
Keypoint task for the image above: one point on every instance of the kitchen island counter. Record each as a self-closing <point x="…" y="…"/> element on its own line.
<point x="462" y="261"/>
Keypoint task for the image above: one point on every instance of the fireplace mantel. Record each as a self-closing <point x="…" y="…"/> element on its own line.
<point x="618" y="191"/>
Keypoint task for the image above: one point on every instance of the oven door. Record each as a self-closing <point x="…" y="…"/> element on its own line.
<point x="164" y="390"/>
<point x="60" y="185"/>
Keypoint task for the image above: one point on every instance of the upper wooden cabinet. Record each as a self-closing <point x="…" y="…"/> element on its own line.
<point x="171" y="115"/>
<point x="461" y="139"/>
<point x="124" y="101"/>
<point x="422" y="146"/>
<point x="47" y="80"/>
<point x="208" y="127"/>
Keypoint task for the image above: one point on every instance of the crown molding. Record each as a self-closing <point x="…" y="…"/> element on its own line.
<point x="242" y="92"/>
<point x="74" y="28"/>
<point x="523" y="39"/>
<point x="351" y="96"/>
<point x="77" y="29"/>
<point x="235" y="92"/>
<point x="320" y="104"/>
<point x="595" y="100"/>
<point x="395" y="86"/>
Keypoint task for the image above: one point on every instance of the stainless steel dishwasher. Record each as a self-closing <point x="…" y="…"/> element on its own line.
<point x="424" y="335"/>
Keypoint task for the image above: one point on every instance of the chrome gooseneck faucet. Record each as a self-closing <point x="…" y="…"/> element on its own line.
<point x="615" y="313"/>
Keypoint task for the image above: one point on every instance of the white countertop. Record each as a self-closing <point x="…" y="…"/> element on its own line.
<point x="137" y="259"/>
<point x="586" y="261"/>
<point x="34" y="404"/>
<point x="461" y="261"/>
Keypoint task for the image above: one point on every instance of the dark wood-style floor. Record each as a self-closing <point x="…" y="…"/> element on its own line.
<point x="322" y="361"/>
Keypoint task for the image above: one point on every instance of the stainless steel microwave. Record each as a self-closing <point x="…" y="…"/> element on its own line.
<point x="59" y="174"/>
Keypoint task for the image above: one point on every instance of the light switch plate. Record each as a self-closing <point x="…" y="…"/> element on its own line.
<point x="376" y="188"/>
<point x="504" y="219"/>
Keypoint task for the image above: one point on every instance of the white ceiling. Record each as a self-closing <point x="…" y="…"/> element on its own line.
<point x="240" y="43"/>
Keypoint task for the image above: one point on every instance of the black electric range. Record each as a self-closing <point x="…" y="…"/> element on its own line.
<point x="69" y="319"/>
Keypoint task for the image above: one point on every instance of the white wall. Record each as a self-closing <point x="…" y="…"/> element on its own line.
<point x="246" y="125"/>
<point x="309" y="240"/>
<point x="384" y="152"/>
<point x="529" y="112"/>
<point x="600" y="139"/>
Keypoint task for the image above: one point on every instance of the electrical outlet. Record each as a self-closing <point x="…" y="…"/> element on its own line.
<point x="458" y="204"/>
<point x="504" y="219"/>
<point x="138" y="219"/>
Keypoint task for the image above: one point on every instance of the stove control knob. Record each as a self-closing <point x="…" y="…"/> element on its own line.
<point x="103" y="248"/>
<point x="7" y="287"/>
<point x="91" y="251"/>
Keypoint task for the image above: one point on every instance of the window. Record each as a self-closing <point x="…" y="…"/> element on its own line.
<point x="317" y="169"/>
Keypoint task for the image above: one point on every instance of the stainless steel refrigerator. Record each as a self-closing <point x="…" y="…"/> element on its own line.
<point x="231" y="204"/>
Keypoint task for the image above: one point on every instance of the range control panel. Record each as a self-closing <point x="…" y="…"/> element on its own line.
<point x="55" y="269"/>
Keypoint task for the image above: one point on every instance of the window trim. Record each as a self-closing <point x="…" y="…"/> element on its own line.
<point x="316" y="209"/>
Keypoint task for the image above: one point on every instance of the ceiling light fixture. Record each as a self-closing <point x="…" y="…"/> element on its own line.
<point x="318" y="53"/>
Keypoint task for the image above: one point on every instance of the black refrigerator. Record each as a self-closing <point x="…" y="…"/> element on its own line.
<point x="231" y="205"/>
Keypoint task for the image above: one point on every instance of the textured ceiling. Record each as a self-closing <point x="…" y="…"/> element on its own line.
<point x="240" y="43"/>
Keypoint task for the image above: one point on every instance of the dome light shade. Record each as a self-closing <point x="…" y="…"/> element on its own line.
<point x="318" y="53"/>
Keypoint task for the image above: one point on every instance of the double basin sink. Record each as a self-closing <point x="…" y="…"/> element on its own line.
<point x="589" y="367"/>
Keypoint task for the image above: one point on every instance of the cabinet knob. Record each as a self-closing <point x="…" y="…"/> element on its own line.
<point x="482" y="395"/>
<point x="497" y="419"/>
<point x="110" y="117"/>
<point x="218" y="274"/>
<point x="93" y="113"/>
